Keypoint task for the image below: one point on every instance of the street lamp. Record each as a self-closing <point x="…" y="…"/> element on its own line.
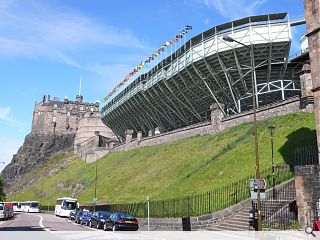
<point x="95" y="184"/>
<point x="271" y="129"/>
<point x="255" y="131"/>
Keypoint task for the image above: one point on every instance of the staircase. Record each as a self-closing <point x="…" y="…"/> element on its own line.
<point x="236" y="222"/>
<point x="239" y="221"/>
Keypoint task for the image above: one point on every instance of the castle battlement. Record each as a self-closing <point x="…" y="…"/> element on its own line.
<point x="55" y="116"/>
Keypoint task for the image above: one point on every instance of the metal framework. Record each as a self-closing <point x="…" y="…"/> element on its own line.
<point x="179" y="91"/>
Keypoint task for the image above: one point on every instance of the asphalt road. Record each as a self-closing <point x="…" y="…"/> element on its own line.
<point x="39" y="226"/>
<point x="40" y="222"/>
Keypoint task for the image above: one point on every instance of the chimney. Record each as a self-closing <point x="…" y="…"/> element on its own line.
<point x="48" y="97"/>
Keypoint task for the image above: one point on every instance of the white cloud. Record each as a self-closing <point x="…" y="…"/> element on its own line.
<point x="8" y="148"/>
<point x="235" y="9"/>
<point x="5" y="115"/>
<point x="36" y="29"/>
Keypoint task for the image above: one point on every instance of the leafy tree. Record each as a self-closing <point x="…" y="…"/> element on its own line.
<point x="2" y="195"/>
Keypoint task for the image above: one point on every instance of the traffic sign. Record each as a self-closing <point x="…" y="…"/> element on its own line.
<point x="256" y="184"/>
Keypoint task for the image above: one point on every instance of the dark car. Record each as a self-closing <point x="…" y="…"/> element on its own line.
<point x="99" y="218"/>
<point x="78" y="217"/>
<point x="73" y="214"/>
<point x="121" y="221"/>
<point x="86" y="217"/>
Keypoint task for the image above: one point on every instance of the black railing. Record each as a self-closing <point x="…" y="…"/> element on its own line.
<point x="306" y="156"/>
<point x="200" y="204"/>
<point x="279" y="211"/>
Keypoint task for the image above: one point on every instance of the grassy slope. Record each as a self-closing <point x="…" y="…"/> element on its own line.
<point x="180" y="168"/>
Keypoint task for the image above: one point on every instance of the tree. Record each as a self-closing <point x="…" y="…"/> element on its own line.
<point x="2" y="195"/>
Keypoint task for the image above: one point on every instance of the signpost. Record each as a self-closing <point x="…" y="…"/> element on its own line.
<point x="256" y="184"/>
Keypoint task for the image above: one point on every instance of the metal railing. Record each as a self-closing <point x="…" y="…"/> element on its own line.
<point x="200" y="204"/>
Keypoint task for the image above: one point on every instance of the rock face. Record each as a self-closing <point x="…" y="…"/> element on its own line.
<point x="36" y="150"/>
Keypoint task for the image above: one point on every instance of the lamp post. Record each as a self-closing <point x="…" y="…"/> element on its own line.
<point x="95" y="185"/>
<point x="271" y="129"/>
<point x="255" y="131"/>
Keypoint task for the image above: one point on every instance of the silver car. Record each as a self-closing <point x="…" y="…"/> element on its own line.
<point x="4" y="212"/>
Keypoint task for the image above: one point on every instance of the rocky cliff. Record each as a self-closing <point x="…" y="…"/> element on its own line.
<point x="35" y="151"/>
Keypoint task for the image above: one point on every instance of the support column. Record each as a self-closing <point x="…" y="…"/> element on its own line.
<point x="139" y="137"/>
<point x="307" y="99"/>
<point x="308" y="193"/>
<point x="216" y="117"/>
<point x="96" y="139"/>
<point x="129" y="136"/>
<point x="312" y="16"/>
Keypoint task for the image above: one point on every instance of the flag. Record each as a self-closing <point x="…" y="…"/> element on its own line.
<point x="163" y="46"/>
<point x="168" y="43"/>
<point x="179" y="36"/>
<point x="188" y="27"/>
<point x="183" y="31"/>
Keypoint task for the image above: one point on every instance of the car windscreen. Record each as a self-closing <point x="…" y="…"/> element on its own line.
<point x="1" y="207"/>
<point x="126" y="216"/>
<point x="104" y="214"/>
<point x="69" y="205"/>
<point x="34" y="205"/>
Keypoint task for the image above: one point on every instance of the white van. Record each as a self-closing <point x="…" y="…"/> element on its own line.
<point x="4" y="212"/>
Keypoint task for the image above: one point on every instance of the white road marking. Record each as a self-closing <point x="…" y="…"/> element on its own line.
<point x="41" y="225"/>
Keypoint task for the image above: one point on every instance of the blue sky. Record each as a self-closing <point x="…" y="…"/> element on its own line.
<point x="45" y="46"/>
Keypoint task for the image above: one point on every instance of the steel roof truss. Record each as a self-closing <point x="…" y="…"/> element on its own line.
<point x="191" y="110"/>
<point x="228" y="80"/>
<point x="206" y="84"/>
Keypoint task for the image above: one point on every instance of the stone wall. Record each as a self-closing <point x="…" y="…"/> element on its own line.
<point x="60" y="116"/>
<point x="197" y="223"/>
<point x="217" y="124"/>
<point x="307" y="183"/>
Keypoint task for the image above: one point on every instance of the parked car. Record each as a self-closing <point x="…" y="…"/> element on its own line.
<point x="121" y="221"/>
<point x="4" y="212"/>
<point x="99" y="218"/>
<point x="86" y="217"/>
<point x="78" y="216"/>
<point x="73" y="214"/>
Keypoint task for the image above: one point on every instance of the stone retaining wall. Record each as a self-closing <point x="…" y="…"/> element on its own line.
<point x="217" y="124"/>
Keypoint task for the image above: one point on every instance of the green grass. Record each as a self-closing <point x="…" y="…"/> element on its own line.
<point x="181" y="168"/>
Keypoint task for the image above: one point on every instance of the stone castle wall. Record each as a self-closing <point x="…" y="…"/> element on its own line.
<point x="60" y="116"/>
<point x="65" y="117"/>
<point x="217" y="124"/>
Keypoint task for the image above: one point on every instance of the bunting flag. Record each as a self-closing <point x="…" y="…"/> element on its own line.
<point x="154" y="55"/>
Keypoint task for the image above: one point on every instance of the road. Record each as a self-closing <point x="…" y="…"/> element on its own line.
<point x="39" y="226"/>
<point x="40" y="222"/>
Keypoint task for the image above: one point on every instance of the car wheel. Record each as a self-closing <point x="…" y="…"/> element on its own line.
<point x="105" y="227"/>
<point x="98" y="225"/>
<point x="114" y="228"/>
<point x="90" y="224"/>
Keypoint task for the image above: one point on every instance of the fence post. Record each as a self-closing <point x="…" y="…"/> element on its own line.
<point x="148" y="203"/>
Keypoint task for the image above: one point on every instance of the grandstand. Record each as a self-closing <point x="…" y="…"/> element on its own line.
<point x="207" y="70"/>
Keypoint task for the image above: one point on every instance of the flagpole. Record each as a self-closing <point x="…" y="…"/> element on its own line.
<point x="80" y="86"/>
